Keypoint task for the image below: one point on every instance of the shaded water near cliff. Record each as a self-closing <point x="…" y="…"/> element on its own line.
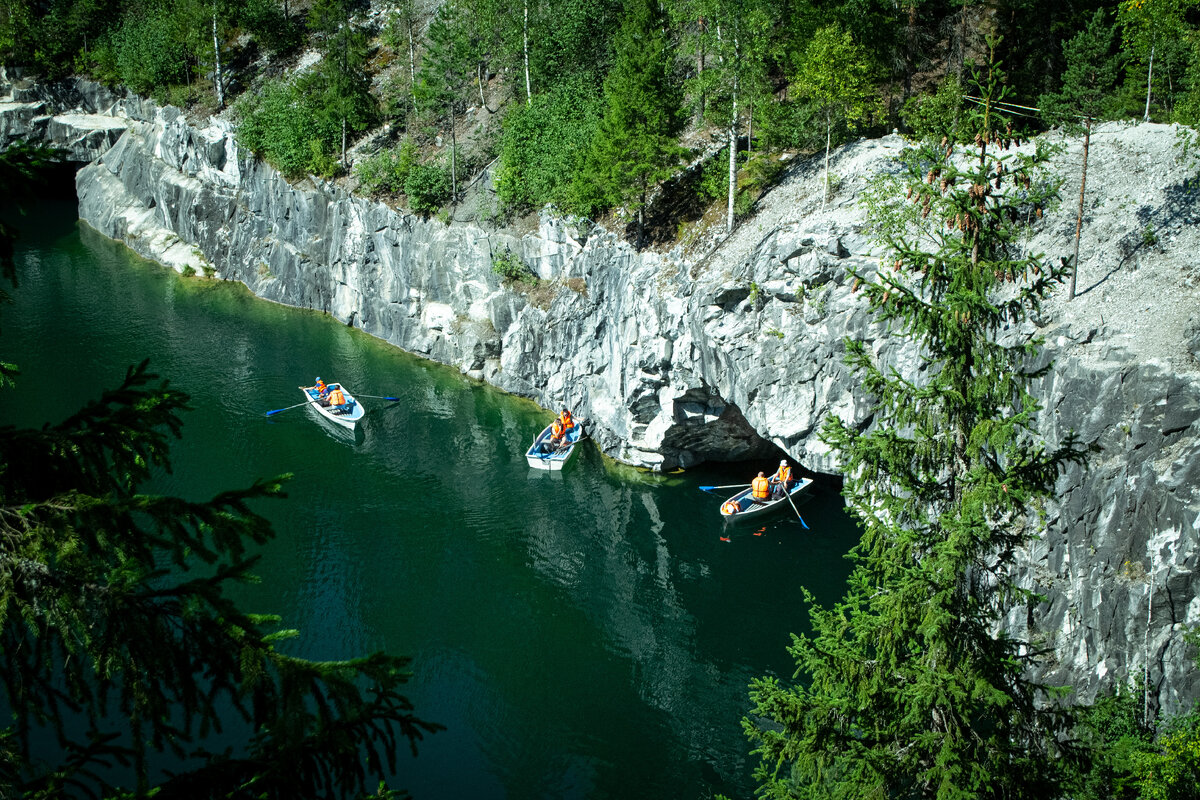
<point x="588" y="634"/>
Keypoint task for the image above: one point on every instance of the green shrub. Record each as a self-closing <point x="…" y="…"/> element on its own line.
<point x="284" y="124"/>
<point x="386" y="171"/>
<point x="509" y="267"/>
<point x="542" y="148"/>
<point x="147" y="52"/>
<point x="427" y="187"/>
<point x="714" y="177"/>
<point x="937" y="115"/>
<point x="743" y="203"/>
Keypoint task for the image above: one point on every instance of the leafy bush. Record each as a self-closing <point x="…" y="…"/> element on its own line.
<point x="427" y="187"/>
<point x="714" y="177"/>
<point x="790" y="124"/>
<point x="386" y="171"/>
<point x="146" y="51"/>
<point x="938" y="115"/>
<point x="285" y="125"/>
<point x="509" y="267"/>
<point x="542" y="147"/>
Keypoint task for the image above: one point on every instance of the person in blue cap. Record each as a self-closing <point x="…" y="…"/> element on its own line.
<point x="322" y="389"/>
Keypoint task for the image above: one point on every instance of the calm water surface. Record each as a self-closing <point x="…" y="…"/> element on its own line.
<point x="588" y="634"/>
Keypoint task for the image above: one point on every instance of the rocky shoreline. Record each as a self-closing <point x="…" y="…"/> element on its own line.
<point x="679" y="360"/>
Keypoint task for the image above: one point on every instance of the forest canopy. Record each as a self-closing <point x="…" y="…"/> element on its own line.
<point x="522" y="85"/>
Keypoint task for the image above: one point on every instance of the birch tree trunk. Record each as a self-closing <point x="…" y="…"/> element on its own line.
<point x="217" y="61"/>
<point x="412" y="64"/>
<point x="453" y="165"/>
<point x="828" y="140"/>
<point x="1149" y="83"/>
<point x="733" y="124"/>
<point x="732" y="163"/>
<point x="525" y="35"/>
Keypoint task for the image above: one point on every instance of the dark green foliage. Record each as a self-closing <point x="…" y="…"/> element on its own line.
<point x="905" y="688"/>
<point x="94" y="621"/>
<point x="543" y="145"/>
<point x="714" y="177"/>
<point x="427" y="187"/>
<point x="147" y="50"/>
<point x="448" y="63"/>
<point x="509" y="267"/>
<point x="287" y="125"/>
<point x="791" y="124"/>
<point x="346" y="97"/>
<point x="635" y="145"/>
<point x="265" y="21"/>
<point x="387" y="171"/>
<point x="571" y="42"/>
<point x="1113" y="731"/>
<point x="939" y="116"/>
<point x="1092" y="71"/>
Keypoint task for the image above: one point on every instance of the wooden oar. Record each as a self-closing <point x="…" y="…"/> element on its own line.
<point x="278" y="410"/>
<point x="730" y="486"/>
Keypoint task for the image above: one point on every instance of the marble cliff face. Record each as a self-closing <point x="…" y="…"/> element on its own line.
<point x="678" y="360"/>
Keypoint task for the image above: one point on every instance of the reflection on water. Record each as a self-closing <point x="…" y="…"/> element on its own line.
<point x="586" y="633"/>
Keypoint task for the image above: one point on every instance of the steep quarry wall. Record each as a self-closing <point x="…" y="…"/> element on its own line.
<point x="677" y="360"/>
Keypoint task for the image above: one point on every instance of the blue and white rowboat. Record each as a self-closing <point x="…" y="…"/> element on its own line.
<point x="347" y="418"/>
<point x="543" y="455"/>
<point x="747" y="507"/>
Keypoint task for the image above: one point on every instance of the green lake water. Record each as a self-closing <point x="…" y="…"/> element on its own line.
<point x="586" y="634"/>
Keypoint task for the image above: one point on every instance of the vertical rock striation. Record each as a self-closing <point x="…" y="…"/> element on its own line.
<point x="677" y="361"/>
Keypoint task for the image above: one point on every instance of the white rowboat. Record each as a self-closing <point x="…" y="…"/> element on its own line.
<point x="543" y="455"/>
<point x="348" y="418"/>
<point x="748" y="507"/>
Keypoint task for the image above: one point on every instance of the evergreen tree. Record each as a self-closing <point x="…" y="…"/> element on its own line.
<point x="635" y="146"/>
<point x="1087" y="82"/>
<point x="119" y="641"/>
<point x="906" y="688"/>
<point x="446" y="70"/>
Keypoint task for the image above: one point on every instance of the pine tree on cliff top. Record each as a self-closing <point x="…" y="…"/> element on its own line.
<point x="635" y="147"/>
<point x="905" y="688"/>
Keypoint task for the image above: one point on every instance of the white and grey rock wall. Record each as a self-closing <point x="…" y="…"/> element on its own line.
<point x="674" y="362"/>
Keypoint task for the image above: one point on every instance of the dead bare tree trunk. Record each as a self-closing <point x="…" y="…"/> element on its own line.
<point x="1087" y="136"/>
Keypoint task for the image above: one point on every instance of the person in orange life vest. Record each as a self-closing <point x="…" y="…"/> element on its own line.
<point x="557" y="432"/>
<point x="760" y="488"/>
<point x="336" y="398"/>
<point x="321" y="388"/>
<point x="782" y="480"/>
<point x="567" y="421"/>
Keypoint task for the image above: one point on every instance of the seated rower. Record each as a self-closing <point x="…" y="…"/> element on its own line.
<point x="337" y="399"/>
<point x="557" y="432"/>
<point x="322" y="389"/>
<point x="760" y="489"/>
<point x="782" y="480"/>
